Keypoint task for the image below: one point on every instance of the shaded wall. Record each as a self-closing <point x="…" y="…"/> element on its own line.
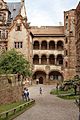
<point x="10" y="89"/>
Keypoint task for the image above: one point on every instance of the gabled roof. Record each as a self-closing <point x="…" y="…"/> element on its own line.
<point x="14" y="8"/>
<point x="15" y="21"/>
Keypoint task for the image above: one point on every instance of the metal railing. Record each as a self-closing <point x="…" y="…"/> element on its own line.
<point x="13" y="111"/>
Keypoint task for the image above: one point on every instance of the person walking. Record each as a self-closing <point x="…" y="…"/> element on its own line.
<point x="26" y="94"/>
<point x="40" y="90"/>
<point x="28" y="98"/>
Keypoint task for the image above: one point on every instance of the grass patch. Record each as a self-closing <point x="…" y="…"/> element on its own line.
<point x="55" y="92"/>
<point x="7" y="107"/>
<point x="69" y="94"/>
<point x="69" y="97"/>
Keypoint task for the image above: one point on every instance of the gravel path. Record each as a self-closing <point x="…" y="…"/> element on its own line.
<point x="49" y="107"/>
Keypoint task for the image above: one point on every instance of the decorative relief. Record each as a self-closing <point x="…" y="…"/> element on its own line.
<point x="47" y="68"/>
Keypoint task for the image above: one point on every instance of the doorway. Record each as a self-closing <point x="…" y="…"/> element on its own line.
<point x="41" y="80"/>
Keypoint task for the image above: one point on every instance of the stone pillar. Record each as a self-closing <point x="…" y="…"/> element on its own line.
<point x="47" y="61"/>
<point x="40" y="46"/>
<point x="55" y="46"/>
<point x="47" y="45"/>
<point x="55" y="60"/>
<point x="39" y="61"/>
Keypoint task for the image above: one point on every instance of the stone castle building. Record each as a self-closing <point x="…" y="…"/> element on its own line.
<point x="50" y="49"/>
<point x="77" y="13"/>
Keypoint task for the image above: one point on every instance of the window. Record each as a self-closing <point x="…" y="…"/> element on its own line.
<point x="67" y="17"/>
<point x="66" y="40"/>
<point x="18" y="44"/>
<point x="66" y="25"/>
<point x="66" y="52"/>
<point x="66" y="64"/>
<point x="18" y="27"/>
<point x="71" y="33"/>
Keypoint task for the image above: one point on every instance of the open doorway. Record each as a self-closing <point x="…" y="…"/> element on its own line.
<point x="41" y="80"/>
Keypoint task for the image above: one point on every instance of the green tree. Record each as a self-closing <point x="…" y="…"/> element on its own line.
<point x="12" y="62"/>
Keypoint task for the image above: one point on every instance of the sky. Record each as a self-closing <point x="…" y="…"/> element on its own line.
<point x="47" y="12"/>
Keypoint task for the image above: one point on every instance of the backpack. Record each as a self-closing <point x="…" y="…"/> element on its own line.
<point x="27" y="93"/>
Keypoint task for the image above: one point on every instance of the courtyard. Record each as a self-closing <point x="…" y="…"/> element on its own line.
<point x="49" y="107"/>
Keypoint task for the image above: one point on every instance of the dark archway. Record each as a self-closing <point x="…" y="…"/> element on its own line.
<point x="41" y="80"/>
<point x="36" y="45"/>
<point x="51" y="45"/>
<point x="59" y="59"/>
<point x="60" y="45"/>
<point x="52" y="59"/>
<point x="44" y="45"/>
<point x="36" y="59"/>
<point x="56" y="75"/>
<point x="43" y="59"/>
<point x="41" y="75"/>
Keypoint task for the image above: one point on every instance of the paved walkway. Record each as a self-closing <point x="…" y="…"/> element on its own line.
<point x="49" y="107"/>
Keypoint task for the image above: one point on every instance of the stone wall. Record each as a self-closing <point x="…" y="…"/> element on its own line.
<point x="10" y="89"/>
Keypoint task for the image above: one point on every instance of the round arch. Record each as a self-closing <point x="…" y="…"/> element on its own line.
<point x="36" y="45"/>
<point x="51" y="45"/>
<point x="44" y="59"/>
<point x="40" y="75"/>
<point x="36" y="59"/>
<point x="44" y="45"/>
<point x="60" y="45"/>
<point x="59" y="59"/>
<point x="56" y="75"/>
<point x="51" y="59"/>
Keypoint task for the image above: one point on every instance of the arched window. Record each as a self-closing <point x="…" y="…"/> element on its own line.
<point x="51" y="45"/>
<point x="36" y="59"/>
<point x="44" y="45"/>
<point x="36" y="45"/>
<point x="60" y="45"/>
<point x="52" y="59"/>
<point x="59" y="60"/>
<point x="44" y="59"/>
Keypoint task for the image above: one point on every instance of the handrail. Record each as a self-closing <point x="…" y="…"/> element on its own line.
<point x="14" y="109"/>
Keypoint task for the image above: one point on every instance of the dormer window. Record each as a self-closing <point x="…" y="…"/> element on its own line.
<point x="14" y="8"/>
<point x="18" y="27"/>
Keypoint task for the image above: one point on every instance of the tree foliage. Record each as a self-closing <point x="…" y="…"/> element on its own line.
<point x="12" y="62"/>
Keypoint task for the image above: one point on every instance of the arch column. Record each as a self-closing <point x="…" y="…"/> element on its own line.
<point x="55" y="60"/>
<point x="39" y="61"/>
<point x="47" y="45"/>
<point x="40" y="46"/>
<point x="47" y="60"/>
<point x="55" y="46"/>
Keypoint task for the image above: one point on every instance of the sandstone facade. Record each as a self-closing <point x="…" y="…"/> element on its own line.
<point x="10" y="89"/>
<point x="50" y="49"/>
<point x="77" y="13"/>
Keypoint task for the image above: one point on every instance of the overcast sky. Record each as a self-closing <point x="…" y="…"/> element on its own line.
<point x="47" y="12"/>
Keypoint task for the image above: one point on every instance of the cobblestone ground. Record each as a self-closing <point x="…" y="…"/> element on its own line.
<point x="49" y="107"/>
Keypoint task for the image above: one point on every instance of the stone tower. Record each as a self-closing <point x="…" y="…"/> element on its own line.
<point x="70" y="49"/>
